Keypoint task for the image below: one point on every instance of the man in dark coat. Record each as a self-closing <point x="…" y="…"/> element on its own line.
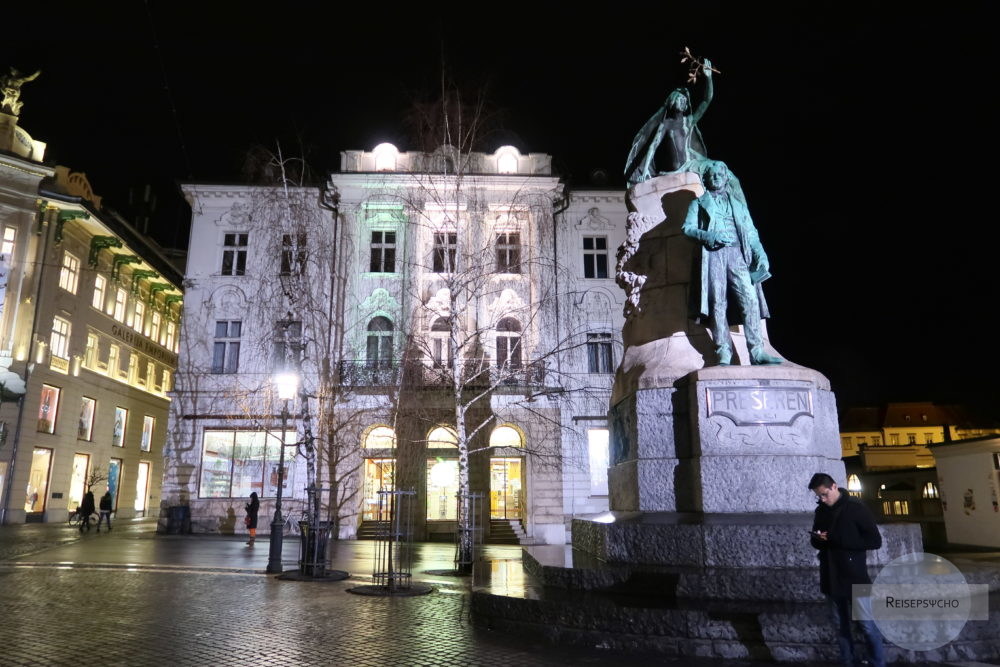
<point x="85" y="509"/>
<point x="843" y="530"/>
<point x="107" y="504"/>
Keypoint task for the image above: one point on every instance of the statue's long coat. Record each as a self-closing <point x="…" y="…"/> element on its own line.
<point x="703" y="215"/>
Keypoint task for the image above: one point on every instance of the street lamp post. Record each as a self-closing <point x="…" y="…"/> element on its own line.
<point x="286" y="384"/>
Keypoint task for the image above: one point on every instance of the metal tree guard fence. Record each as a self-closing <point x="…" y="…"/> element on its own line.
<point x="470" y="538"/>
<point x="392" y="556"/>
<point x="391" y="562"/>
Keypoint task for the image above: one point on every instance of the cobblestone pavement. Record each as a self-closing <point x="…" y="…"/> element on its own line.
<point x="61" y="607"/>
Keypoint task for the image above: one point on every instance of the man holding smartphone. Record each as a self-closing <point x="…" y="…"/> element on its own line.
<point x="843" y="530"/>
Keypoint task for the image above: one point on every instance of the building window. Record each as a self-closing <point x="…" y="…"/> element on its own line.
<point x="598" y="453"/>
<point x="59" y="340"/>
<point x="171" y="335"/>
<point x="928" y="438"/>
<point x="38" y="480"/>
<point x="893" y="438"/>
<point x="226" y="353"/>
<point x="509" y="252"/>
<point x="148" y="423"/>
<point x="90" y="354"/>
<point x="383" y="252"/>
<point x="69" y="275"/>
<point x="379" y="347"/>
<point x="165" y="387"/>
<point x="845" y="441"/>
<point x="385" y="157"/>
<point x="150" y="378"/>
<point x="854" y="486"/>
<point x="236" y="463"/>
<point x="445" y="252"/>
<point x="100" y="292"/>
<point x="380" y="437"/>
<point x="911" y="438"/>
<point x="930" y="491"/>
<point x="234" y="254"/>
<point x="85" y="429"/>
<point x="895" y="507"/>
<point x="121" y="299"/>
<point x="153" y="332"/>
<point x="599" y="357"/>
<point x="293" y="254"/>
<point x="7" y="246"/>
<point x="442" y="354"/>
<point x="118" y="432"/>
<point x="113" y="361"/>
<point x="442" y="437"/>
<point x="876" y="441"/>
<point x="48" y="409"/>
<point x="509" y="343"/>
<point x="287" y="341"/>
<point x="595" y="257"/>
<point x="138" y="315"/>
<point x="133" y="368"/>
<point x="442" y="489"/>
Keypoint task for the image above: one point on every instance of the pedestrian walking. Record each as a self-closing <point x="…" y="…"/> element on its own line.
<point x="85" y="509"/>
<point x="843" y="530"/>
<point x="253" y="507"/>
<point x="106" y="506"/>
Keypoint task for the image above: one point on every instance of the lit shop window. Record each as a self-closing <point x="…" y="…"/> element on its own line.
<point x="380" y="437"/>
<point x="48" y="409"/>
<point x="85" y="429"/>
<point x="118" y="431"/>
<point x="148" y="423"/>
<point x="236" y="463"/>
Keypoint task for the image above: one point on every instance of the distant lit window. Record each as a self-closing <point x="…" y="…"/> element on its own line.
<point x="121" y="299"/>
<point x="442" y="437"/>
<point x="845" y="441"/>
<point x="595" y="257"/>
<point x="911" y="438"/>
<point x="509" y="252"/>
<point x="85" y="429"/>
<point x="876" y="441"/>
<point x="380" y="437"/>
<point x="445" y="252"/>
<point x="59" y="339"/>
<point x="854" y="485"/>
<point x="383" y="252"/>
<point x="154" y="326"/>
<point x="48" y="408"/>
<point x="165" y="386"/>
<point x="928" y="438"/>
<point x="113" y="360"/>
<point x="118" y="430"/>
<point x="69" y="274"/>
<point x="598" y="455"/>
<point x="100" y="292"/>
<point x="7" y="245"/>
<point x="148" y="424"/>
<point x="234" y="254"/>
<point x="507" y="160"/>
<point x="893" y="438"/>
<point x="90" y="354"/>
<point x="138" y="314"/>
<point x="930" y="491"/>
<point x="385" y="157"/>
<point x="895" y="507"/>
<point x="505" y="436"/>
<point x="171" y="334"/>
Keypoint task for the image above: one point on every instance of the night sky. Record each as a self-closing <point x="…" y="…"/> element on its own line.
<point x="853" y="128"/>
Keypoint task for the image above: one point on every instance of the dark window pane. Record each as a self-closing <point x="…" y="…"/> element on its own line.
<point x="389" y="265"/>
<point x="588" y="243"/>
<point x="233" y="358"/>
<point x="227" y="263"/>
<point x="235" y="328"/>
<point x="218" y="357"/>
<point x="376" y="237"/>
<point x="602" y="243"/>
<point x="230" y="239"/>
<point x="390" y="237"/>
<point x="375" y="263"/>
<point x="602" y="266"/>
<point x="588" y="266"/>
<point x="221" y="329"/>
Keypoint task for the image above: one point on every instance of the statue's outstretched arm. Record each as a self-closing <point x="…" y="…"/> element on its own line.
<point x="709" y="92"/>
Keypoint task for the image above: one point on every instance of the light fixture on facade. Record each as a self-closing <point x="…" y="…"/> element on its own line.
<point x="286" y="384"/>
<point x="507" y="159"/>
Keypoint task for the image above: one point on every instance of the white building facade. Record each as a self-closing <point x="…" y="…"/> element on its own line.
<point x="423" y="299"/>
